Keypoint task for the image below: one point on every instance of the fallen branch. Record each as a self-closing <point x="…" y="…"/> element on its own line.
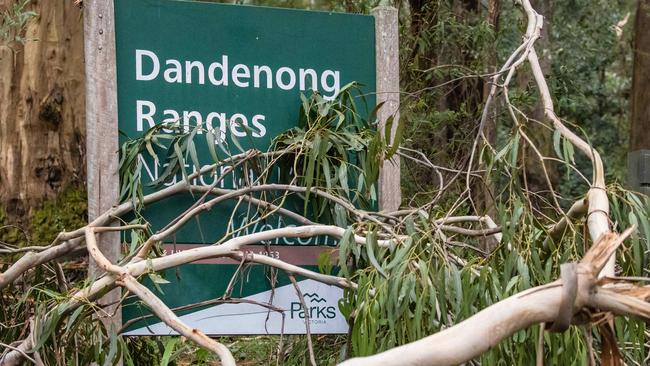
<point x="543" y="304"/>
<point x="163" y="313"/>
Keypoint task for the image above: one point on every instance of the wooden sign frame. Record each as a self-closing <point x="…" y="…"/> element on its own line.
<point x="102" y="118"/>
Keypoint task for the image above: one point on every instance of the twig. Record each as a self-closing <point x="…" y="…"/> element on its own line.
<point x="7" y="361"/>
<point x="310" y="346"/>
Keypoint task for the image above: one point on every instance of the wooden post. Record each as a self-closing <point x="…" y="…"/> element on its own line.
<point x="387" y="54"/>
<point x="102" y="135"/>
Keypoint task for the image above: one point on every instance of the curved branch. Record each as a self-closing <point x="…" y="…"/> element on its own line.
<point x="598" y="211"/>
<point x="166" y="315"/>
<point x="228" y="248"/>
<point x="543" y="304"/>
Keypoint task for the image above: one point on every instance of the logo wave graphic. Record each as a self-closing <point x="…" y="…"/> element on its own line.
<point x="314" y="297"/>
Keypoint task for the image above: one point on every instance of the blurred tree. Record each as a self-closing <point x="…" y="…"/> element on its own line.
<point x="42" y="102"/>
<point x="639" y="136"/>
<point x="447" y="46"/>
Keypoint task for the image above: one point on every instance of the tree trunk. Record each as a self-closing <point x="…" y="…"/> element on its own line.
<point x="42" y="124"/>
<point x="639" y="136"/>
<point x="486" y="191"/>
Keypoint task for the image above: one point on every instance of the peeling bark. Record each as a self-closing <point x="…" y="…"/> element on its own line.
<point x="42" y="125"/>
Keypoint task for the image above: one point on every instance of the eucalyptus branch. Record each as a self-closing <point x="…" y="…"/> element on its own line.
<point x="577" y="210"/>
<point x="124" y="279"/>
<point x="166" y="315"/>
<point x="310" y="346"/>
<point x="543" y="304"/>
<point x="68" y="242"/>
<point x="228" y="248"/>
<point x="231" y="194"/>
<point x="293" y="269"/>
<point x="598" y="211"/>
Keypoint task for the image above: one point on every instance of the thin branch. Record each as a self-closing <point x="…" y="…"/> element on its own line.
<point x="310" y="346"/>
<point x="166" y="315"/>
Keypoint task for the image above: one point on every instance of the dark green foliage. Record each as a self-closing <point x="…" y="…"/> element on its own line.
<point x="68" y="211"/>
<point x="336" y="148"/>
<point x="591" y="76"/>
<point x="11" y="234"/>
<point x="443" y="55"/>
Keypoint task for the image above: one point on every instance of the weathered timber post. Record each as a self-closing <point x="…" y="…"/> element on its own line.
<point x="102" y="135"/>
<point x="387" y="59"/>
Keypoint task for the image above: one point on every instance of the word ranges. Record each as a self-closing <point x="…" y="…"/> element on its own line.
<point x="147" y="114"/>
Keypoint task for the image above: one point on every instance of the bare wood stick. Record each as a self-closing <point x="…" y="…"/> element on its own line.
<point x="33" y="259"/>
<point x="470" y="232"/>
<point x="15" y="358"/>
<point x="166" y="315"/>
<point x="227" y="248"/>
<point x="310" y="346"/>
<point x="387" y="60"/>
<point x="101" y="129"/>
<point x="540" y="345"/>
<point x="294" y="270"/>
<point x="476" y="335"/>
<point x="99" y="257"/>
<point x="577" y="210"/>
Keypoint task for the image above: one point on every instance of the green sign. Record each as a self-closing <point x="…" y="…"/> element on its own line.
<point x="238" y="71"/>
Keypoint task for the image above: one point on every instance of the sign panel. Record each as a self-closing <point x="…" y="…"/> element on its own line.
<point x="224" y="67"/>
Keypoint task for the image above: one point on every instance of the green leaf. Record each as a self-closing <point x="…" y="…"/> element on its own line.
<point x="311" y="164"/>
<point x="503" y="151"/>
<point x="340" y="216"/>
<point x="156" y="278"/>
<point x="211" y="141"/>
<point x="557" y="140"/>
<point x="514" y="153"/>
<point x="169" y="348"/>
<point x="371" y="240"/>
<point x="48" y="328"/>
<point x="397" y="140"/>
<point x="344" y="247"/>
<point x="112" y="349"/>
<point x="401" y="253"/>
<point x="325" y="262"/>
<point x="73" y="318"/>
<point x="388" y="128"/>
<point x="327" y="172"/>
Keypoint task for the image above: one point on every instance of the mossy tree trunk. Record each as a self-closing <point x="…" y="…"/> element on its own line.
<point x="42" y="124"/>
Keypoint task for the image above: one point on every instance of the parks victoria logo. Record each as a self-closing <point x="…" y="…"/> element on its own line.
<point x="318" y="309"/>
